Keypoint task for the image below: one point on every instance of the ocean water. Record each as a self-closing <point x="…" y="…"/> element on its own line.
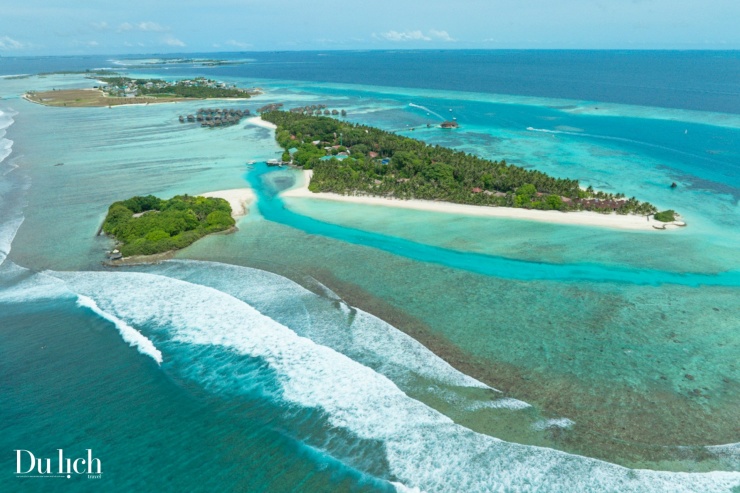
<point x="338" y="347"/>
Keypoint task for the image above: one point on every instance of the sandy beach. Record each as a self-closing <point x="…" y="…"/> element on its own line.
<point x="238" y="198"/>
<point x="256" y="120"/>
<point x="581" y="218"/>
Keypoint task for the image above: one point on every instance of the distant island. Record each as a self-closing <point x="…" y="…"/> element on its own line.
<point x="119" y="90"/>
<point x="149" y="225"/>
<point x="198" y="62"/>
<point x="350" y="159"/>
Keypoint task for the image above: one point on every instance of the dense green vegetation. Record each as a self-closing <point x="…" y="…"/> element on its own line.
<point x="91" y="73"/>
<point x="665" y="216"/>
<point x="200" y="88"/>
<point x="413" y="169"/>
<point x="167" y="224"/>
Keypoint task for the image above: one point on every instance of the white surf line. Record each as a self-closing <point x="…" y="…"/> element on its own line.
<point x="422" y="448"/>
<point x="129" y="334"/>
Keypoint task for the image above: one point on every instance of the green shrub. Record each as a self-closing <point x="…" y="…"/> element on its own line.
<point x="665" y="216"/>
<point x="172" y="224"/>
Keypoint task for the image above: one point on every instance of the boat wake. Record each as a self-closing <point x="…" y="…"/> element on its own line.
<point x="427" y="110"/>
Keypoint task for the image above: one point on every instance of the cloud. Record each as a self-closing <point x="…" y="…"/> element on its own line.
<point x="417" y="35"/>
<point x="100" y="26"/>
<point x="8" y="44"/>
<point x="172" y="41"/>
<point x="441" y="35"/>
<point x="402" y="36"/>
<point x="237" y="44"/>
<point x="144" y="26"/>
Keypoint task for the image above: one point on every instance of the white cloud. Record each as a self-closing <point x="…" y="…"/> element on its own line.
<point x="441" y="35"/>
<point x="100" y="26"/>
<point x="237" y="44"/>
<point x="7" y="44"/>
<point x="417" y="35"/>
<point x="144" y="26"/>
<point x="171" y="41"/>
<point x="402" y="36"/>
<point x="151" y="27"/>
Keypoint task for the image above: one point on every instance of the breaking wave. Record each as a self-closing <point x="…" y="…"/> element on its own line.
<point x="229" y="347"/>
<point x="128" y="333"/>
<point x="12" y="189"/>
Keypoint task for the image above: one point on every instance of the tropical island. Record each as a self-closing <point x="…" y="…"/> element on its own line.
<point x="198" y="62"/>
<point x="197" y="88"/>
<point x="149" y="225"/>
<point x="116" y="91"/>
<point x="351" y="159"/>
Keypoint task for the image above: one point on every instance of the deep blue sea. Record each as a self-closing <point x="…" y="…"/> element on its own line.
<point x="330" y="346"/>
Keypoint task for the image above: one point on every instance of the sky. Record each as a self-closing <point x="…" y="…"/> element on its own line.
<point x="70" y="27"/>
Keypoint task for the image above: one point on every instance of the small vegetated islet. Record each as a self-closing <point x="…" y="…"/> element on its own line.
<point x="149" y="225"/>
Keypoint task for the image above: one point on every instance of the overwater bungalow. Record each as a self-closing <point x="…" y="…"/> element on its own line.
<point x="449" y="124"/>
<point x="191" y="118"/>
<point x="182" y="119"/>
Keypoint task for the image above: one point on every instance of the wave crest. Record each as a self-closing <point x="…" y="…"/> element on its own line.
<point x="128" y="333"/>
<point x="423" y="448"/>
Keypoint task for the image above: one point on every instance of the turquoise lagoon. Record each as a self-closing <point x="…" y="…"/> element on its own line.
<point x="332" y="347"/>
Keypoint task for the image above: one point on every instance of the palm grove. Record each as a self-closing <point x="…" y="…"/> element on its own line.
<point x="385" y="164"/>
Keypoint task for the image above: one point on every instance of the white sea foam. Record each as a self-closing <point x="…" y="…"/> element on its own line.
<point x="8" y="230"/>
<point x="11" y="188"/>
<point x="552" y="423"/>
<point x="728" y="454"/>
<point x="20" y="285"/>
<point x="128" y="333"/>
<point x="6" y="148"/>
<point x="423" y="448"/>
<point x="505" y="403"/>
<point x="351" y="331"/>
<point x="405" y="489"/>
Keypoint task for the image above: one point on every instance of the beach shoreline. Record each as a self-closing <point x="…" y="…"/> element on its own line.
<point x="577" y="218"/>
<point x="238" y="198"/>
<point x="258" y="121"/>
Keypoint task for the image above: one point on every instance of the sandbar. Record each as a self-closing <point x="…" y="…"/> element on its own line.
<point x="238" y="198"/>
<point x="578" y="218"/>
<point x="256" y="120"/>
